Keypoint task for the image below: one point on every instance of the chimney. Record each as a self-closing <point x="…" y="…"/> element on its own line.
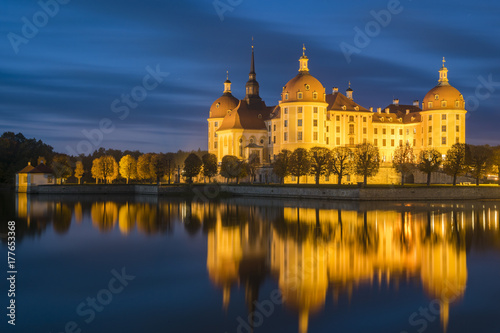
<point x="387" y="110"/>
<point x="379" y="110"/>
<point x="395" y="101"/>
<point x="415" y="103"/>
<point x="335" y="90"/>
<point x="407" y="111"/>
<point x="371" y="109"/>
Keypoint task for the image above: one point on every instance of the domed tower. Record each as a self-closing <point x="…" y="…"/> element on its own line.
<point x="302" y="115"/>
<point x="222" y="106"/>
<point x="443" y="115"/>
<point x="252" y="86"/>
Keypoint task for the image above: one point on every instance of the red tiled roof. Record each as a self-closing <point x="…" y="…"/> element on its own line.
<point x="337" y="100"/>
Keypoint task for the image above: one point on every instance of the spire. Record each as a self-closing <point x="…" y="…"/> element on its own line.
<point x="443" y="75"/>
<point x="349" y="91"/>
<point x="252" y="86"/>
<point x="303" y="61"/>
<point x="227" y="84"/>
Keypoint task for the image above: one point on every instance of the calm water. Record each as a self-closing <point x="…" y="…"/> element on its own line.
<point x="125" y="264"/>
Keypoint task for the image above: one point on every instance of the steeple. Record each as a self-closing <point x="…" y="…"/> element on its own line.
<point x="227" y="84"/>
<point x="349" y="91"/>
<point x="443" y="75"/>
<point x="303" y="61"/>
<point x="252" y="86"/>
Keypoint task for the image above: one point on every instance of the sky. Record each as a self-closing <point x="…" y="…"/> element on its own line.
<point x="142" y="75"/>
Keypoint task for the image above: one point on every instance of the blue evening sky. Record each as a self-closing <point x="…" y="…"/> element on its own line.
<point x="59" y="80"/>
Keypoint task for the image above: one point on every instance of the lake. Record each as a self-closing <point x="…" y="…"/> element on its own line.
<point x="100" y="263"/>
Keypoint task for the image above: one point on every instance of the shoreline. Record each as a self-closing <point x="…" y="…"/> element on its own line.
<point x="321" y="192"/>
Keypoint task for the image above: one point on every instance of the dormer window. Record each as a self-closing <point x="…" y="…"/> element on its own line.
<point x="286" y="96"/>
<point x="429" y="105"/>
<point x="457" y="104"/>
<point x="344" y="107"/>
<point x="436" y="97"/>
<point x="390" y="119"/>
<point x="443" y="104"/>
<point x="356" y="108"/>
<point x="307" y="86"/>
<point x="299" y="95"/>
<point x="217" y="105"/>
<point x="260" y="116"/>
<point x="315" y="95"/>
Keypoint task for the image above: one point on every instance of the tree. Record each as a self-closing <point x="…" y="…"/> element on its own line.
<point x="341" y="162"/>
<point x="404" y="160"/>
<point x="496" y="161"/>
<point x="300" y="163"/>
<point x="105" y="168"/>
<point x="79" y="171"/>
<point x="480" y="161"/>
<point x="209" y="165"/>
<point x="157" y="167"/>
<point x="320" y="160"/>
<point x="231" y="167"/>
<point x="97" y="169"/>
<point x="192" y="167"/>
<point x="61" y="167"/>
<point x="143" y="167"/>
<point x="455" y="163"/>
<point x="366" y="160"/>
<point x="170" y="164"/>
<point x="281" y="165"/>
<point x="429" y="161"/>
<point x="128" y="167"/>
<point x="253" y="164"/>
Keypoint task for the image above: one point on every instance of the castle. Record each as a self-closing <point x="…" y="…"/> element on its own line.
<point x="306" y="116"/>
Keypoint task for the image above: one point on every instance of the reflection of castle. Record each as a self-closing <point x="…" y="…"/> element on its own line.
<point x="312" y="250"/>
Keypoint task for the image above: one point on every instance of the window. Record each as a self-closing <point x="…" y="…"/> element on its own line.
<point x="351" y="141"/>
<point x="364" y="140"/>
<point x="430" y="117"/>
<point x="364" y="119"/>
<point x="457" y="140"/>
<point x="269" y="140"/>
<point x="299" y="135"/>
<point x="383" y="158"/>
<point x="327" y="141"/>
<point x="384" y="131"/>
<point x="384" y="142"/>
<point x="392" y="142"/>
<point x="443" y="128"/>
<point x="351" y="129"/>
<point x="215" y="145"/>
<point x="338" y="118"/>
<point x="285" y="136"/>
<point x="400" y="142"/>
<point x="443" y="117"/>
<point x="443" y="103"/>
<point x="430" y="129"/>
<point x="414" y="142"/>
<point x="436" y="97"/>
<point x="269" y="128"/>
<point x="443" y="140"/>
<point x="286" y="96"/>
<point x="392" y="131"/>
<point x="338" y="141"/>
<point x="286" y="123"/>
<point x="274" y="127"/>
<point x="457" y="104"/>
<point x="351" y="118"/>
<point x="286" y="110"/>
<point x="375" y="142"/>
<point x="338" y="129"/>
<point x="429" y="105"/>
<point x="307" y="87"/>
<point x="274" y="139"/>
<point x="315" y="109"/>
<point x="364" y="130"/>
<point x="401" y="131"/>
<point x="299" y="109"/>
<point x="457" y="128"/>
<point x="415" y="130"/>
<point x="315" y="136"/>
<point x="458" y="117"/>
<point x="216" y="124"/>
<point x="299" y="122"/>
<point x="327" y="129"/>
<point x="215" y="135"/>
<point x="315" y="95"/>
<point x="375" y="131"/>
<point x="299" y="95"/>
<point x="315" y="122"/>
<point x="430" y="141"/>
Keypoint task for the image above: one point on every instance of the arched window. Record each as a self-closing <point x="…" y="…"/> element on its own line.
<point x="299" y="95"/>
<point x="315" y="95"/>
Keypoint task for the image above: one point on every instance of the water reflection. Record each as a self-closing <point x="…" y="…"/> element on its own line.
<point x="308" y="248"/>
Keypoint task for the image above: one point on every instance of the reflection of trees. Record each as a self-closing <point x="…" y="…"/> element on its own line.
<point x="104" y="215"/>
<point x="62" y="218"/>
<point x="367" y="236"/>
<point x="192" y="223"/>
<point x="126" y="217"/>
